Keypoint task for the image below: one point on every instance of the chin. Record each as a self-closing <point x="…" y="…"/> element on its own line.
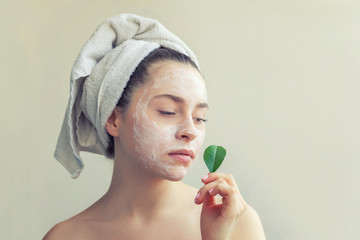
<point x="175" y="174"/>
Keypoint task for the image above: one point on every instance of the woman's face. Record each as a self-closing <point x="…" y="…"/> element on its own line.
<point x="165" y="122"/>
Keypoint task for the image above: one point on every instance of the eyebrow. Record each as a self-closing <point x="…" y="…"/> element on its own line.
<point x="178" y="99"/>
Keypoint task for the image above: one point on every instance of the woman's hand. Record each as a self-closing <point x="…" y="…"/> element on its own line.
<point x="219" y="220"/>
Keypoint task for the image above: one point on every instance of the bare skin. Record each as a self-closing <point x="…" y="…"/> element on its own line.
<point x="146" y="201"/>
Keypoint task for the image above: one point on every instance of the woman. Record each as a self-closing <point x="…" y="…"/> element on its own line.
<point x="154" y="132"/>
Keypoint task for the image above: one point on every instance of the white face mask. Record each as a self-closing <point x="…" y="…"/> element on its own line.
<point x="156" y="137"/>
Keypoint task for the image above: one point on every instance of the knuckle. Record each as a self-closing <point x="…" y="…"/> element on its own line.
<point x="232" y="190"/>
<point x="221" y="181"/>
<point x="228" y="175"/>
<point x="232" y="177"/>
<point x="216" y="189"/>
<point x="213" y="175"/>
<point x="222" y="186"/>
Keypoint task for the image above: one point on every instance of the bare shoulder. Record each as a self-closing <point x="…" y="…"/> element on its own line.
<point x="70" y="229"/>
<point x="249" y="226"/>
<point x="61" y="230"/>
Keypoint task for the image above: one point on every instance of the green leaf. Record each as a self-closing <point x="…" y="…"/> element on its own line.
<point x="214" y="156"/>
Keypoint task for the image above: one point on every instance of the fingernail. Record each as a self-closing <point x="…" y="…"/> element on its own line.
<point x="210" y="191"/>
<point x="206" y="177"/>
<point x="197" y="196"/>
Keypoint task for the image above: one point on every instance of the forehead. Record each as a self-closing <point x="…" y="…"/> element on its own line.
<point x="177" y="78"/>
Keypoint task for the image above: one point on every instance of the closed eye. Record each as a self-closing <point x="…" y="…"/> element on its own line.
<point x="166" y="113"/>
<point x="200" y="120"/>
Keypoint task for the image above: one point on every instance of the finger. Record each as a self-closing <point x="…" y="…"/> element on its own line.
<point x="214" y="176"/>
<point x="209" y="201"/>
<point x="233" y="203"/>
<point x="223" y="190"/>
<point x="204" y="191"/>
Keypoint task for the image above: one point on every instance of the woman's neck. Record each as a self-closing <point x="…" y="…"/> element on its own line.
<point x="137" y="193"/>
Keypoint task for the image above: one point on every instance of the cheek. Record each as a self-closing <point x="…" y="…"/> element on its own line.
<point x="151" y="141"/>
<point x="154" y="138"/>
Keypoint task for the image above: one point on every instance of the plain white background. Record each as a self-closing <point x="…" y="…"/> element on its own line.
<point x="283" y="80"/>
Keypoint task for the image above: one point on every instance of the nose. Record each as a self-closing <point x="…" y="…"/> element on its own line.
<point x="187" y="131"/>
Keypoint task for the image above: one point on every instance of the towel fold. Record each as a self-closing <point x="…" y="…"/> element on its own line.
<point x="98" y="78"/>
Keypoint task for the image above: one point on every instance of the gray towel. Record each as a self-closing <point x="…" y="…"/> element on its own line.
<point x="98" y="78"/>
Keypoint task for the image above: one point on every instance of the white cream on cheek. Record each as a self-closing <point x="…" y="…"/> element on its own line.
<point x="153" y="142"/>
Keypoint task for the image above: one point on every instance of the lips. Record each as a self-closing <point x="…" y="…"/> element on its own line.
<point x="182" y="155"/>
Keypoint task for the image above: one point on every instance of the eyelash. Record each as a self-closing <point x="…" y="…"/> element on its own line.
<point x="201" y="120"/>
<point x="172" y="114"/>
<point x="167" y="113"/>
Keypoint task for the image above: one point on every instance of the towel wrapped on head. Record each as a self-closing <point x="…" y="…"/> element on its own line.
<point x="98" y="78"/>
